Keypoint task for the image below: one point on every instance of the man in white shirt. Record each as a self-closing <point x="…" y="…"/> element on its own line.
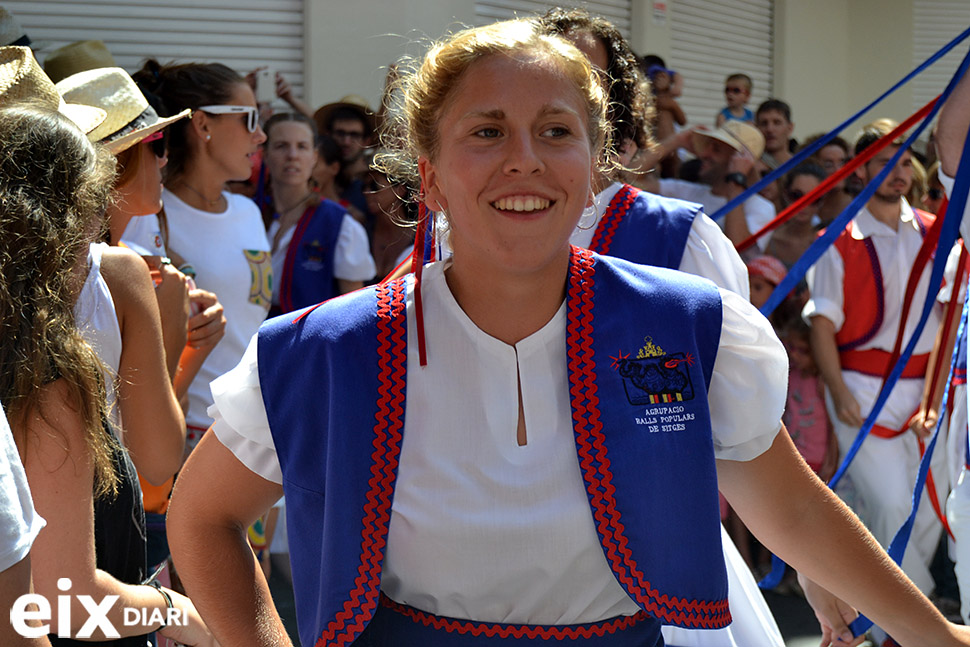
<point x="858" y="289"/>
<point x="727" y="155"/>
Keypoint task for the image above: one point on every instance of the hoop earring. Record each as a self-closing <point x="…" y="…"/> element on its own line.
<point x="589" y="216"/>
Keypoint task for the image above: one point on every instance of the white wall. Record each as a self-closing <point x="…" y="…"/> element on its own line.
<point x="831" y="56"/>
<point x="350" y="44"/>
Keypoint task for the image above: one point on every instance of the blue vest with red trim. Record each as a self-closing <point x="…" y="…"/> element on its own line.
<point x="308" y="269"/>
<point x="641" y="345"/>
<point x="645" y="228"/>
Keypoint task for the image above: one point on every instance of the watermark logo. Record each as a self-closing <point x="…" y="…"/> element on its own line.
<point x="21" y="614"/>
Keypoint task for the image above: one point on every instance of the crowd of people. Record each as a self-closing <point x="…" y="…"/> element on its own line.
<point x="561" y="428"/>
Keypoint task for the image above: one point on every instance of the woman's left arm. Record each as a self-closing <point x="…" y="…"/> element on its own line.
<point x="796" y="516"/>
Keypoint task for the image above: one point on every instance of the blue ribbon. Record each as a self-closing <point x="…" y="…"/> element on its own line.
<point x="948" y="235"/>
<point x="804" y="154"/>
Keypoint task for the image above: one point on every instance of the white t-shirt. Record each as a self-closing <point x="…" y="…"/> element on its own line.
<point x="708" y="252"/>
<point x="230" y="254"/>
<point x="19" y="522"/>
<point x="351" y="256"/>
<point x="897" y="251"/>
<point x="143" y="235"/>
<point x="466" y="492"/>
<point x="758" y="211"/>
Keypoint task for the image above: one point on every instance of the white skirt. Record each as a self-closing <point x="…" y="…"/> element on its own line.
<point x="752" y="623"/>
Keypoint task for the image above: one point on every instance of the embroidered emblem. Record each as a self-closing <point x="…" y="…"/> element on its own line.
<point x="314" y="255"/>
<point x="260" y="277"/>
<point x="655" y="376"/>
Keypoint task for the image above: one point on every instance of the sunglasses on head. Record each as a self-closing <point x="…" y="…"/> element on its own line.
<point x="158" y="141"/>
<point x="252" y="115"/>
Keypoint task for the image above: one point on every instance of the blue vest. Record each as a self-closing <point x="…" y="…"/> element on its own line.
<point x="645" y="228"/>
<point x="308" y="269"/>
<point x="641" y="345"/>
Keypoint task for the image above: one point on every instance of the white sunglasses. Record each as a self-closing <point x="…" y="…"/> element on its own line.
<point x="252" y="115"/>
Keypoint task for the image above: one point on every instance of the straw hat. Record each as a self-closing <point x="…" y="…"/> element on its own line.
<point x="738" y="135"/>
<point x="130" y="118"/>
<point x="11" y="33"/>
<point x="77" y="57"/>
<point x="22" y="80"/>
<point x="352" y="101"/>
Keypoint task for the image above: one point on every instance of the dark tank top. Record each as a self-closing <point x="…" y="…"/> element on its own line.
<point x="119" y="539"/>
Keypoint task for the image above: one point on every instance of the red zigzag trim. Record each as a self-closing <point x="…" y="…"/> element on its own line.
<point x="595" y="463"/>
<point x="493" y="630"/>
<point x="619" y="206"/>
<point x="388" y="432"/>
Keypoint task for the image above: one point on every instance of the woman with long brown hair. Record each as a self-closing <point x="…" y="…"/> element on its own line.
<point x="54" y="187"/>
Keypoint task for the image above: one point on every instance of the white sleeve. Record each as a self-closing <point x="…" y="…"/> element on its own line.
<point x="825" y="286"/>
<point x="949" y="276"/>
<point x="19" y="522"/>
<point x="749" y="384"/>
<point x="709" y="253"/>
<point x="948" y="183"/>
<point x="240" y="421"/>
<point x="757" y="214"/>
<point x="352" y="260"/>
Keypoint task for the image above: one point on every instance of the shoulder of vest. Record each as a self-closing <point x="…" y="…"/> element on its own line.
<point x="655" y="203"/>
<point x="332" y="319"/>
<point x="648" y="278"/>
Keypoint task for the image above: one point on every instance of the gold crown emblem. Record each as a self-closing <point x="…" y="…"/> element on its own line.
<point x="650" y="349"/>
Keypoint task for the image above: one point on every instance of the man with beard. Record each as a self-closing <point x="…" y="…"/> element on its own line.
<point x="727" y="155"/>
<point x="855" y="311"/>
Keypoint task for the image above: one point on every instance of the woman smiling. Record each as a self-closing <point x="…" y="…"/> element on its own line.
<point x="519" y="444"/>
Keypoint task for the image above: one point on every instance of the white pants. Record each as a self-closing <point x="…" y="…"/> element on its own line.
<point x="752" y="624"/>
<point x="958" y="503"/>
<point x="881" y="480"/>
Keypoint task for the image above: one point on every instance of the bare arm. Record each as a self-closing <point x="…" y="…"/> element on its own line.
<point x="735" y="221"/>
<point x="826" y="354"/>
<point x="796" y="516"/>
<point x="14" y="582"/>
<point x="151" y="415"/>
<point x="951" y="130"/>
<point x="205" y="330"/>
<point x="285" y="92"/>
<point x="61" y="474"/>
<point x="217" y="497"/>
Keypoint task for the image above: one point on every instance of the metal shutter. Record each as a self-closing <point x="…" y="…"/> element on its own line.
<point x="243" y="34"/>
<point x="489" y="11"/>
<point x="935" y="23"/>
<point x="714" y="38"/>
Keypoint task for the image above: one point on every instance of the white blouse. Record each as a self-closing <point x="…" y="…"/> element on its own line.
<point x="351" y="257"/>
<point x="484" y="528"/>
<point x="708" y="252"/>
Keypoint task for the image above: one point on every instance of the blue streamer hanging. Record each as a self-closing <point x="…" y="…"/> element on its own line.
<point x="948" y="236"/>
<point x="810" y="150"/>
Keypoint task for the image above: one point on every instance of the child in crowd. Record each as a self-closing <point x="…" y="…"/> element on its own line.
<point x="764" y="275"/>
<point x="805" y="416"/>
<point x="666" y="86"/>
<point x="737" y="92"/>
